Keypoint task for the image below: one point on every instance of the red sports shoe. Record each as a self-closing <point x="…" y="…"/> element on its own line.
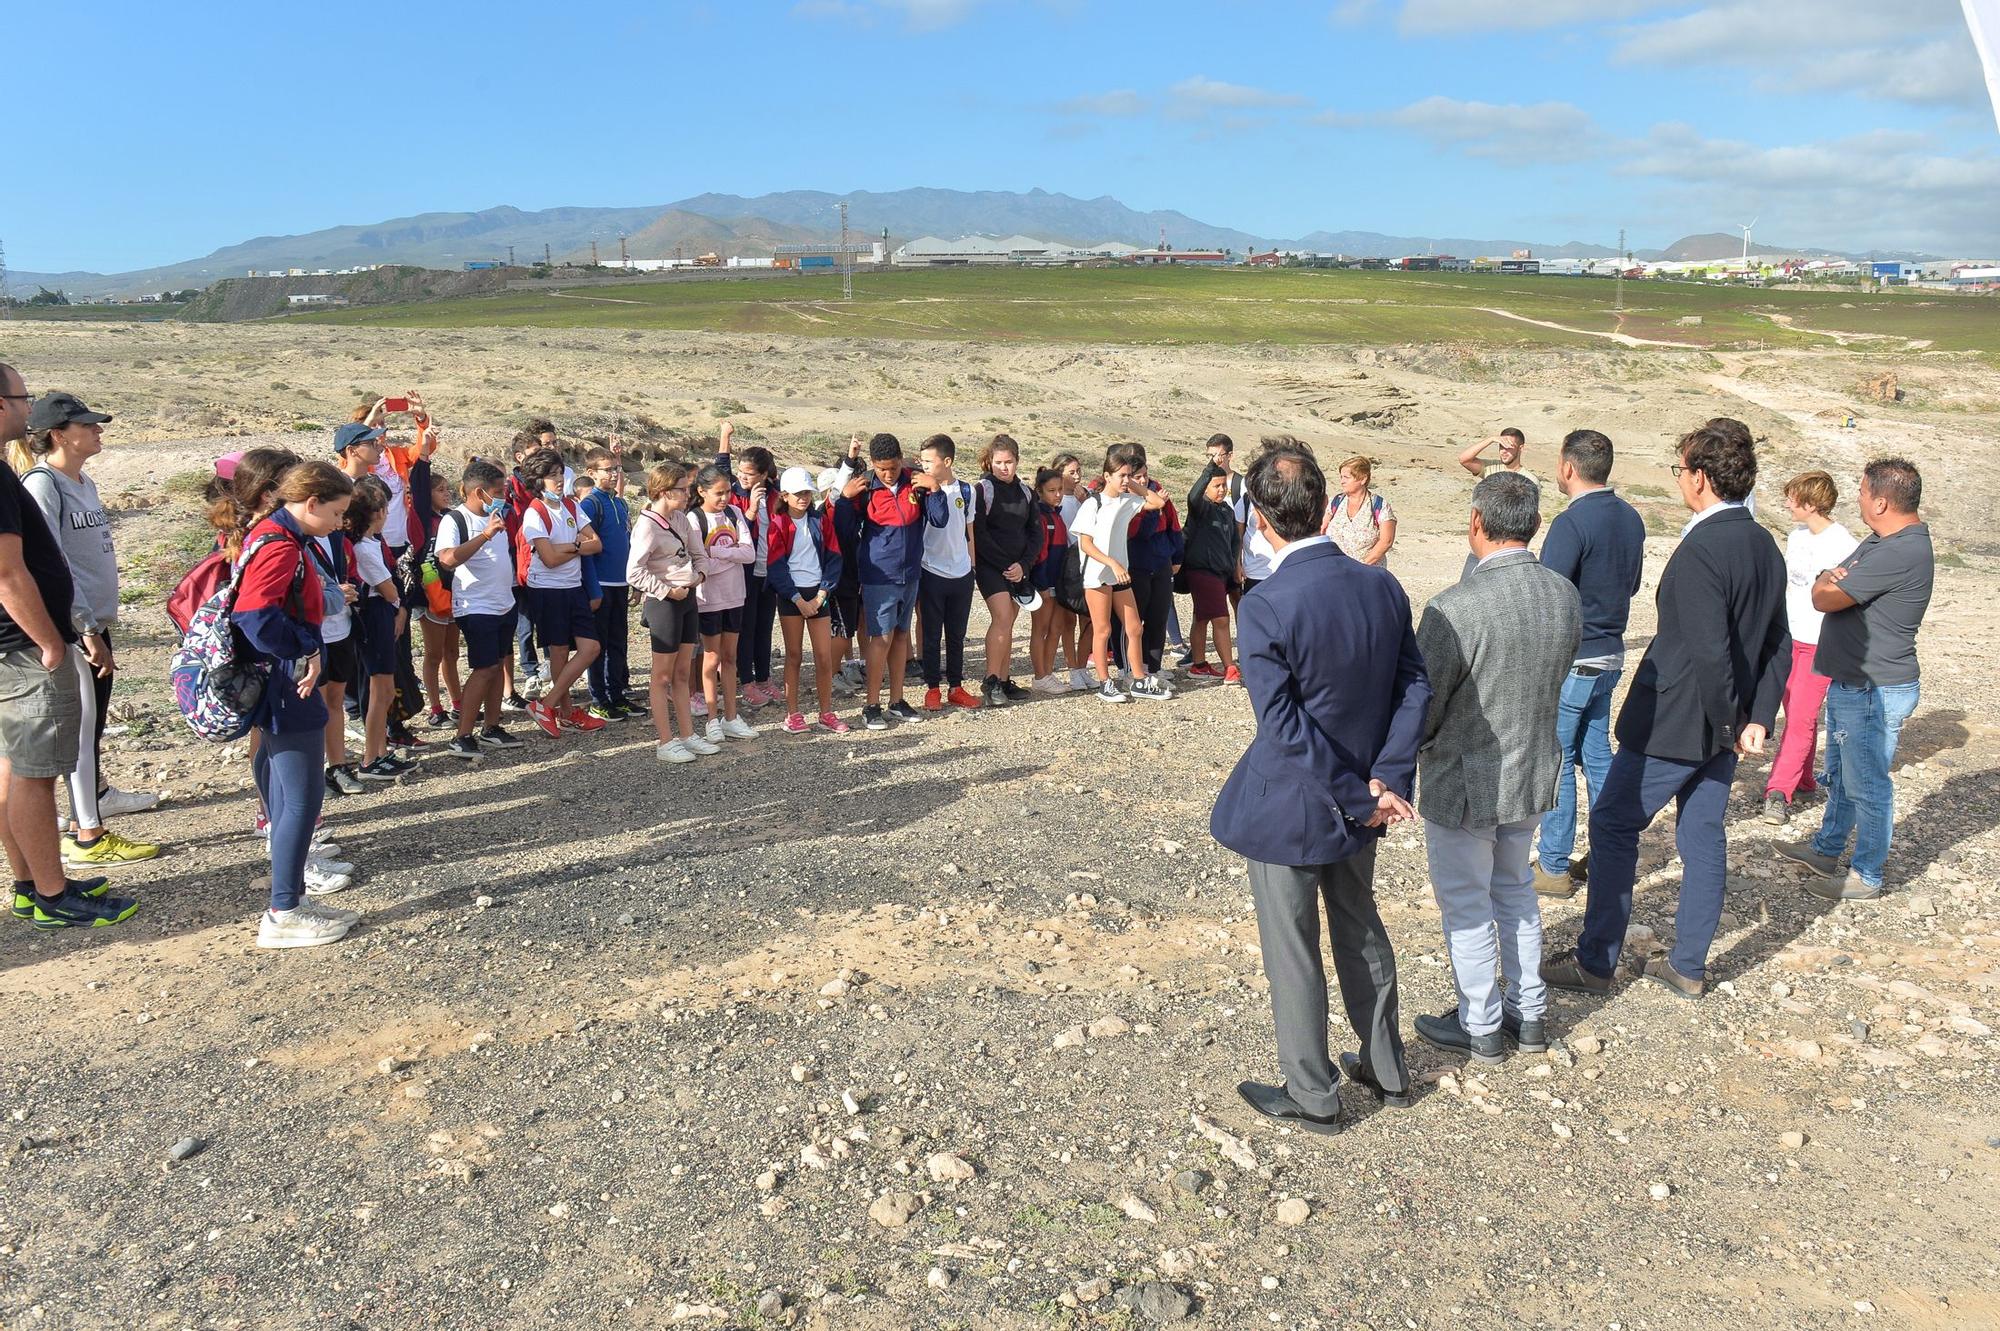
<point x="828" y="721"/>
<point x="579" y="719"/>
<point x="958" y="697"/>
<point x="933" y="701"/>
<point x="1234" y="676"/>
<point x="544" y="716"/>
<point x="1205" y="670"/>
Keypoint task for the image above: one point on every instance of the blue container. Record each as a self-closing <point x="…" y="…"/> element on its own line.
<point x="816" y="261"/>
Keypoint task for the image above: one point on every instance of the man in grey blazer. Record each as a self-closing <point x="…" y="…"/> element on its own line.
<point x="1497" y="645"/>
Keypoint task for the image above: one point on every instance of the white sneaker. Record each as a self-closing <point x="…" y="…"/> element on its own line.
<point x="737" y="728"/>
<point x="115" y="802"/>
<point x="714" y="733"/>
<point x="321" y="884"/>
<point x="299" y="928"/>
<point x="699" y="745"/>
<point x="1051" y="683"/>
<point x="326" y="912"/>
<point x="326" y="864"/>
<point x="319" y="849"/>
<point x="1080" y="681"/>
<point x="674" y="752"/>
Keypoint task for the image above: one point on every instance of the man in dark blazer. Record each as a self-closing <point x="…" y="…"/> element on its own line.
<point x="1330" y="659"/>
<point x="1706" y="693"/>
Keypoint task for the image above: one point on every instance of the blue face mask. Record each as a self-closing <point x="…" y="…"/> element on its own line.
<point x="494" y="506"/>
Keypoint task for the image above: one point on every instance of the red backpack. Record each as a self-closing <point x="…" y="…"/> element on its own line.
<point x="197" y="586"/>
<point x="525" y="550"/>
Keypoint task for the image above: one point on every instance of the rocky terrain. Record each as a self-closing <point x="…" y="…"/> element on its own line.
<point x="941" y="1027"/>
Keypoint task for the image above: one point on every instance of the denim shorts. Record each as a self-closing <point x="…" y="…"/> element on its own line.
<point x="887" y="607"/>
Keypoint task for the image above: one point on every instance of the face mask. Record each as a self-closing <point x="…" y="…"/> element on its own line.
<point x="494" y="505"/>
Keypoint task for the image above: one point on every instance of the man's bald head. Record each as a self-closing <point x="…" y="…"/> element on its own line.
<point x="13" y="405"/>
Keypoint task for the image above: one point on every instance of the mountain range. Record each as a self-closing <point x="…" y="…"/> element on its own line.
<point x="735" y="224"/>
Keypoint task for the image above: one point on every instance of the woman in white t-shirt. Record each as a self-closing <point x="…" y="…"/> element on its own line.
<point x="1103" y="523"/>
<point x="1815" y="545"/>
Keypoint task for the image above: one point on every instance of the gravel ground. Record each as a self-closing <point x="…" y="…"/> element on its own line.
<point x="940" y="1028"/>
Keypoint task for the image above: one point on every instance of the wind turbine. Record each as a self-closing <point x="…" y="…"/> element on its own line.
<point x="1744" y="227"/>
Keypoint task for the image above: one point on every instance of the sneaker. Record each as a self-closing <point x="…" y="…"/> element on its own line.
<point x="1530" y="1035"/>
<point x="75" y="910"/>
<point x="855" y="671"/>
<point x="1776" y="811"/>
<point x="902" y="711"/>
<point x="1232" y="676"/>
<point x="844" y="687"/>
<point x="1558" y="885"/>
<point x="1080" y="681"/>
<point x="323" y="882"/>
<point x="326" y="864"/>
<point x="331" y="913"/>
<point x="698" y="705"/>
<point x="699" y="744"/>
<point x="24" y="900"/>
<point x="115" y="803"/>
<point x="1186" y="658"/>
<point x="318" y="846"/>
<point x="874" y="719"/>
<point x="513" y="702"/>
<point x="1050" y="683"/>
<point x="384" y="769"/>
<point x="578" y="719"/>
<point x="1446" y="1032"/>
<point x="1203" y="670"/>
<point x="1798" y="852"/>
<point x="1151" y="689"/>
<point x="545" y="717"/>
<point x="401" y="737"/>
<point x="933" y="700"/>
<point x="831" y="723"/>
<point x="713" y="734"/>
<point x="463" y="746"/>
<point x="673" y="751"/>
<point x="958" y="697"/>
<point x="108" y="849"/>
<point x="795" y="724"/>
<point x="1014" y="692"/>
<point x="635" y="705"/>
<point x="493" y="737"/>
<point x="605" y="711"/>
<point x="300" y="927"/>
<point x="1110" y="692"/>
<point x="992" y="693"/>
<point x="737" y="728"/>
<point x="341" y="780"/>
<point x="439" y="719"/>
<point x="1853" y="887"/>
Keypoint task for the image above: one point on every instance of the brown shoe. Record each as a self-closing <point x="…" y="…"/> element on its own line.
<point x="1579" y="868"/>
<point x="1564" y="971"/>
<point x="1554" y="884"/>
<point x="1851" y="887"/>
<point x="1658" y="969"/>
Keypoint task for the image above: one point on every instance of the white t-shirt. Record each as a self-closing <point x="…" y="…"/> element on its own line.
<point x="336" y="620"/>
<point x="483" y="584"/>
<point x="1806" y="557"/>
<point x="561" y="528"/>
<point x="948" y="549"/>
<point x="396" y="518"/>
<point x="1108" y="524"/>
<point x="804" y="558"/>
<point x="1070" y="505"/>
<point x="371" y="563"/>
<point x="1257" y="550"/>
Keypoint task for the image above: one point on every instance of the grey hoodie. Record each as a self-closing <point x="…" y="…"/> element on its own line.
<point x="76" y="515"/>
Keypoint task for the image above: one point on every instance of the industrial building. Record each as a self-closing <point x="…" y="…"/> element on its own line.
<point x="934" y="252"/>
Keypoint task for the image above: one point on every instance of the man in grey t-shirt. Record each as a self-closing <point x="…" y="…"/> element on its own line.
<point x="1874" y="603"/>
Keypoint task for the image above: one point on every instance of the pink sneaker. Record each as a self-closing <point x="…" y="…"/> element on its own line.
<point x="698" y="705"/>
<point x="828" y="721"/>
<point x="795" y="724"/>
<point x="752" y="695"/>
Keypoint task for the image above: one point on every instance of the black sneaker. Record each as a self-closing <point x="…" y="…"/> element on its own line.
<point x="902" y="711"/>
<point x="1532" y="1035"/>
<point x="439" y="719"/>
<point x="1014" y="692"/>
<point x="343" y="781"/>
<point x="74" y="910"/>
<point x="513" y="702"/>
<point x="493" y="737"/>
<point x="991" y="691"/>
<point x="403" y="738"/>
<point x="1445" y="1031"/>
<point x="635" y="705"/>
<point x="383" y="769"/>
<point x="463" y="746"/>
<point x="873" y="719"/>
<point x="24" y="897"/>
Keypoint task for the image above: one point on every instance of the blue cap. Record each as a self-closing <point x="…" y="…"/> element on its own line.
<point x="352" y="433"/>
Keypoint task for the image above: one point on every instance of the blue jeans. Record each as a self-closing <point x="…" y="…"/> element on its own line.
<point x="291" y="777"/>
<point x="1862" y="727"/>
<point x="1583" y="728"/>
<point x="1638" y="787"/>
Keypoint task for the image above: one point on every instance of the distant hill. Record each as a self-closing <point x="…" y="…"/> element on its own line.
<point x="1721" y="245"/>
<point x="733" y="223"/>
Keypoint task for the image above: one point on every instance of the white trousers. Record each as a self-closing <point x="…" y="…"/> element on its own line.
<point x="1492" y="922"/>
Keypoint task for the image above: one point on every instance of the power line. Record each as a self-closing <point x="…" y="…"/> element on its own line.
<point x="846" y="259"/>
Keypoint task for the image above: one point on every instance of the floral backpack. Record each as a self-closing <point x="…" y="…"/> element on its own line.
<point x="218" y="694"/>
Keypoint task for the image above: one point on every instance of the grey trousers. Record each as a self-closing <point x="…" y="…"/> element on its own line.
<point x="1492" y="922"/>
<point x="1288" y="901"/>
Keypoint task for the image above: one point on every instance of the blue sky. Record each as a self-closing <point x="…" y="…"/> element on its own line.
<point x="1851" y="123"/>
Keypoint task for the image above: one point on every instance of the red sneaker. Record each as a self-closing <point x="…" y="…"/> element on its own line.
<point x="544" y="716"/>
<point x="1205" y="670"/>
<point x="1234" y="676"/>
<point x="579" y="719"/>
<point x="958" y="697"/>
<point x="828" y="721"/>
<point x="933" y="701"/>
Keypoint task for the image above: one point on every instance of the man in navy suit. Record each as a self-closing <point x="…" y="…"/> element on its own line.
<point x="1330" y="658"/>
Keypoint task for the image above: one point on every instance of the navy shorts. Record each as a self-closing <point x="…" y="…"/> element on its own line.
<point x="888" y="606"/>
<point x="487" y="638"/>
<point x="375" y="631"/>
<point x="716" y="622"/>
<point x="340" y="661"/>
<point x="562" y="616"/>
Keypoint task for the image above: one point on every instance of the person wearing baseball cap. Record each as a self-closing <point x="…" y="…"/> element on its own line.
<point x="63" y="435"/>
<point x="352" y="433"/>
<point x="804" y="563"/>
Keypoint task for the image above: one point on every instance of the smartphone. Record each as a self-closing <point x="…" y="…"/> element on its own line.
<point x="395" y="404"/>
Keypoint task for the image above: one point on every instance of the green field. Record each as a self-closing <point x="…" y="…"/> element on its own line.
<point x="157" y="313"/>
<point x="1217" y="305"/>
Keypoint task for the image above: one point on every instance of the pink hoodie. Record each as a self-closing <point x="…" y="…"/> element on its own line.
<point x="729" y="549"/>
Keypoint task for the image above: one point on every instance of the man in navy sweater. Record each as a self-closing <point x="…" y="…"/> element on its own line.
<point x="1599" y="543"/>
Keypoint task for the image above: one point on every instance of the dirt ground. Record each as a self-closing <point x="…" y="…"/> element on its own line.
<point x="940" y="1027"/>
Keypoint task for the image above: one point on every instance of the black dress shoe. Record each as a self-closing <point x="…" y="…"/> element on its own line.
<point x="1448" y="1033"/>
<point x="1357" y="1072"/>
<point x="1532" y="1035"/>
<point x="1276" y="1102"/>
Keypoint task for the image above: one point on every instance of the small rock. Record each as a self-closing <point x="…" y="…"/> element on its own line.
<point x="1268" y="1283"/>
<point x="1807" y="1049"/>
<point x="770" y="1305"/>
<point x="390" y="1066"/>
<point x="1135" y="1209"/>
<point x="1587" y="1045"/>
<point x="1791" y="1141"/>
<point x="893" y="1210"/>
<point x="1157" y="1301"/>
<point x="1293" y="1211"/>
<point x="1071" y="1038"/>
<point x="1922" y="907"/>
<point x="483" y="901"/>
<point x="812" y="1157"/>
<point x="1779" y="989"/>
<point x="802" y="1074"/>
<point x="938" y="1278"/>
<point x="1107" y="1028"/>
<point x="186" y="1148"/>
<point x="949" y="1167"/>
<point x="1193" y="1181"/>
<point x="1659" y="1192"/>
<point x="1863" y="1306"/>
<point x="1561" y="1130"/>
<point x="1170" y="848"/>
<point x="850" y="1102"/>
<point x="767" y="1181"/>
<point x="835" y="988"/>
<point x="560" y="1211"/>
<point x="1093" y="1289"/>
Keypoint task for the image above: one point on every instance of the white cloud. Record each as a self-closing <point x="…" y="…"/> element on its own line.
<point x="1121" y="102"/>
<point x="1545" y="131"/>
<point x="1203" y="92"/>
<point x="1450" y="16"/>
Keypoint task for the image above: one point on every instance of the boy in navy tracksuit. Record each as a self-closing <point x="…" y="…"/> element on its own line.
<point x="611" y="518"/>
<point x="1157" y="546"/>
<point x="887" y="519"/>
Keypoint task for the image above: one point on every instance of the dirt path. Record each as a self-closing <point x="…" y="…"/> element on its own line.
<point x="1622" y="339"/>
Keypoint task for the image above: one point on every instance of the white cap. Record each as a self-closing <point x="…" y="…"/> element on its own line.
<point x="833" y="478"/>
<point x="796" y="480"/>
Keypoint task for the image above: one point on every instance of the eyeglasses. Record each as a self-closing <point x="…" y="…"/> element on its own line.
<point x="17" y="397"/>
<point x="1678" y="467"/>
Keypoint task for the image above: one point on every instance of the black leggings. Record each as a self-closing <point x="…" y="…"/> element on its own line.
<point x="946" y="604"/>
<point x="1154" y="592"/>
<point x="753" y="645"/>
